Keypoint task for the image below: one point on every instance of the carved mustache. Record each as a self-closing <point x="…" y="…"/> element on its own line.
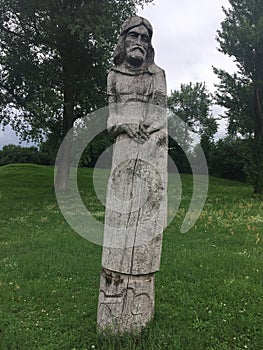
<point x="137" y="47"/>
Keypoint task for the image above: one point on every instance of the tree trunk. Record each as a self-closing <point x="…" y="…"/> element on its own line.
<point x="258" y="142"/>
<point x="63" y="170"/>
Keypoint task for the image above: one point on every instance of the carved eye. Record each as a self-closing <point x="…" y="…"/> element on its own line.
<point x="145" y="38"/>
<point x="133" y="35"/>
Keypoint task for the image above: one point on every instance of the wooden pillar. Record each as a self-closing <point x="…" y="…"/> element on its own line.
<point x="136" y="196"/>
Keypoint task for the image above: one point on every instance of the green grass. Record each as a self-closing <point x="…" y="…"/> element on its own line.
<point x="208" y="291"/>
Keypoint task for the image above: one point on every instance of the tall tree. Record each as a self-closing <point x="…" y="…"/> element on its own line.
<point x="241" y="37"/>
<point x="54" y="59"/>
<point x="192" y="104"/>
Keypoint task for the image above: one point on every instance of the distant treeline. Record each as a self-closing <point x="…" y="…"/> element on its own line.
<point x="225" y="158"/>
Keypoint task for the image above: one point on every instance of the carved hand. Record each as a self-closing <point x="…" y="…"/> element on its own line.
<point x="135" y="131"/>
<point x="154" y="127"/>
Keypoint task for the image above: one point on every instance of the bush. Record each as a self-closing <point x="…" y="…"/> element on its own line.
<point x="227" y="159"/>
<point x="17" y="154"/>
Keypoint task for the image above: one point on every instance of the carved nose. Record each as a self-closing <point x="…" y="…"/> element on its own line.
<point x="139" y="39"/>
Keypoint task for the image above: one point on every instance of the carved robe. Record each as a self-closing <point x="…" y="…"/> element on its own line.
<point x="136" y="196"/>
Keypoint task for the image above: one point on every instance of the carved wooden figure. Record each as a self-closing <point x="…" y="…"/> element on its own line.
<point x="136" y="196"/>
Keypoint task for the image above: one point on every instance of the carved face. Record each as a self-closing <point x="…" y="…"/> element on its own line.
<point x="137" y="43"/>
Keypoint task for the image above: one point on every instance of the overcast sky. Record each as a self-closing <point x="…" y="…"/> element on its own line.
<point x="184" y="39"/>
<point x="184" y="42"/>
<point x="185" y="45"/>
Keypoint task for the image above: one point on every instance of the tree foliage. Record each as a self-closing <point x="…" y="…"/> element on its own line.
<point x="11" y="154"/>
<point x="192" y="104"/>
<point x="54" y="60"/>
<point x="189" y="114"/>
<point x="227" y="158"/>
<point x="241" y="37"/>
<point x="100" y="144"/>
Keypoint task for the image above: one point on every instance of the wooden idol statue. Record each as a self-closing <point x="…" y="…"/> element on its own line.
<point x="136" y="202"/>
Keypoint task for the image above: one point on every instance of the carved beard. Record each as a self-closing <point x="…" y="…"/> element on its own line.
<point x="136" y="55"/>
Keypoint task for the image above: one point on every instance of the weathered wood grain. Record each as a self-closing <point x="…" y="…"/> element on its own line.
<point x="126" y="302"/>
<point x="136" y="204"/>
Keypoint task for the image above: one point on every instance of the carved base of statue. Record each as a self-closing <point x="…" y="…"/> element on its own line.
<point x="126" y="302"/>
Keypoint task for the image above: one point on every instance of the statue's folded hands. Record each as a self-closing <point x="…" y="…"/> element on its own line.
<point x="135" y="131"/>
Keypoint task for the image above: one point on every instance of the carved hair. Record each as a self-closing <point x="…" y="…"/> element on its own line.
<point x="120" y="50"/>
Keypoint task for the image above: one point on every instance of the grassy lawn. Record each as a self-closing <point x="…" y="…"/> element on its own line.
<point x="209" y="291"/>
